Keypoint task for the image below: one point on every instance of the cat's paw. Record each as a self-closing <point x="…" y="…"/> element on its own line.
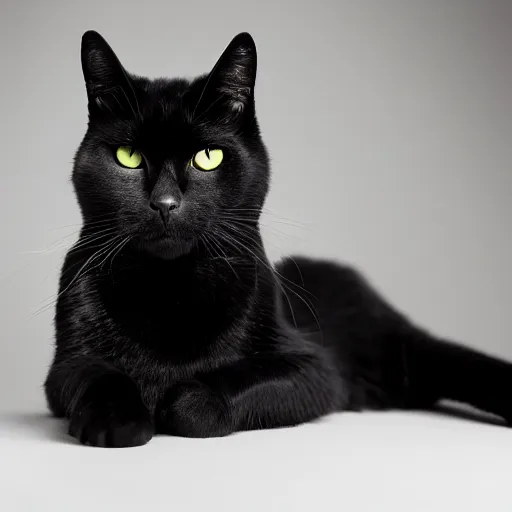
<point x="193" y="409"/>
<point x="111" y="414"/>
<point x="117" y="426"/>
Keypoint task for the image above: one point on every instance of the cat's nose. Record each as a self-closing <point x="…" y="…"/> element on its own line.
<point x="165" y="204"/>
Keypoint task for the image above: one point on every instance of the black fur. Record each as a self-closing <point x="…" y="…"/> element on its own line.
<point x="176" y="322"/>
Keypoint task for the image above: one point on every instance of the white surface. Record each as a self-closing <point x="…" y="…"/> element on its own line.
<point x="349" y="462"/>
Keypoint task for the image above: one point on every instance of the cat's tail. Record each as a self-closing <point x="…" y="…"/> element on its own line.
<point x="436" y="369"/>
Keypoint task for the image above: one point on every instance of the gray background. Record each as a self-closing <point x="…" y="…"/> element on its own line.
<point x="389" y="124"/>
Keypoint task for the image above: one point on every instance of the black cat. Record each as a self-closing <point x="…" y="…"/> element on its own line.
<point x="170" y="319"/>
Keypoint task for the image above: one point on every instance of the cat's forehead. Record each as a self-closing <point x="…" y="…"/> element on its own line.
<point x="162" y="96"/>
<point x="167" y="110"/>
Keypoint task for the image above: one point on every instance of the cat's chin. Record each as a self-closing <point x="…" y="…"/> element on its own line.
<point x="167" y="248"/>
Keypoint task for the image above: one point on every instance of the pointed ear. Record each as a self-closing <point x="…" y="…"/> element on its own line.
<point x="230" y="85"/>
<point x="109" y="88"/>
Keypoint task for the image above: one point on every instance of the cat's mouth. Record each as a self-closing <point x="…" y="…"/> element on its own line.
<point x="167" y="245"/>
<point x="165" y="236"/>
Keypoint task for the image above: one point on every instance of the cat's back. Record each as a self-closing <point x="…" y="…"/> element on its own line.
<point x="319" y="291"/>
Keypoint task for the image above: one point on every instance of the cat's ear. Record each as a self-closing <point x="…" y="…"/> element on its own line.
<point x="231" y="82"/>
<point x="109" y="88"/>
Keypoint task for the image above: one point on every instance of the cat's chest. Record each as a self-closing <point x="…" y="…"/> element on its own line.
<point x="172" y="313"/>
<point x="163" y="338"/>
<point x="168" y="312"/>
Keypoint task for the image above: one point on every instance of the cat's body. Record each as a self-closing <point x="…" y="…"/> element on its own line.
<point x="178" y="323"/>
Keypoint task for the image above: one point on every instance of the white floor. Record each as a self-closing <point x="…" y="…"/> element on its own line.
<point x="348" y="462"/>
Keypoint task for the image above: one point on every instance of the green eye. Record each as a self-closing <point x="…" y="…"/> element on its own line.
<point x="208" y="159"/>
<point x="128" y="157"/>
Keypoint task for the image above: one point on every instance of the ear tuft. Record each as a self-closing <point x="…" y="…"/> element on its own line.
<point x="237" y="73"/>
<point x="108" y="84"/>
<point x="233" y="77"/>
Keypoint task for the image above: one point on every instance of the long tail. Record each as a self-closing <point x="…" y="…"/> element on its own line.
<point x="438" y="369"/>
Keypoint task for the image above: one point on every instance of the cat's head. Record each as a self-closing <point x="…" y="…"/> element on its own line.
<point x="165" y="163"/>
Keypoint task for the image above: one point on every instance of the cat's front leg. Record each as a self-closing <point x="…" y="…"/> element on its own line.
<point x="103" y="405"/>
<point x="261" y="392"/>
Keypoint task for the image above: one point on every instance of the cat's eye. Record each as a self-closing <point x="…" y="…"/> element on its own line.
<point x="128" y="157"/>
<point x="208" y="159"/>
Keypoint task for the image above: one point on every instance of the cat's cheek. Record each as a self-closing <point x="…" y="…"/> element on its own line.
<point x="193" y="409"/>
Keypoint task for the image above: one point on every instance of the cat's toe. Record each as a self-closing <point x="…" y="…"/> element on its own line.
<point x="111" y="429"/>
